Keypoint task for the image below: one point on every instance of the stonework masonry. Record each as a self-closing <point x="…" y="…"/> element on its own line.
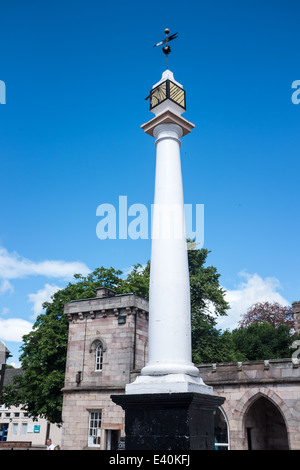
<point x="120" y="324"/>
<point x="276" y="381"/>
<point x="296" y="312"/>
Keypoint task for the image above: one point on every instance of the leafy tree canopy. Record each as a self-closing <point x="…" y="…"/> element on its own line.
<point x="263" y="341"/>
<point x="267" y="312"/>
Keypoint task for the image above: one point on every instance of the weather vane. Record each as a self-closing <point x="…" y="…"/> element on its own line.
<point x="166" y="49"/>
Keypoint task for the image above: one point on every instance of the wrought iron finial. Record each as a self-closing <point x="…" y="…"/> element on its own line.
<point x="166" y="49"/>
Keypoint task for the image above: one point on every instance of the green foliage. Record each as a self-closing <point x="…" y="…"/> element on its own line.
<point x="210" y="344"/>
<point x="44" y="349"/>
<point x="137" y="281"/>
<point x="207" y="301"/>
<point x="262" y="341"/>
<point x="206" y="292"/>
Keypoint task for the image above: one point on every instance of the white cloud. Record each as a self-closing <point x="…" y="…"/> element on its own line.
<point x="6" y="286"/>
<point x="253" y="289"/>
<point x="16" y="365"/>
<point x="14" y="266"/>
<point x="13" y="329"/>
<point x="40" y="297"/>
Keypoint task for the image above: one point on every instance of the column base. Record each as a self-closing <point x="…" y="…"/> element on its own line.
<point x="163" y="421"/>
<point x="164" y="368"/>
<point x="170" y="383"/>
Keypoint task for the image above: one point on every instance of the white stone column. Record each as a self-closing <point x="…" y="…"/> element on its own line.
<point x="169" y="368"/>
<point x="169" y="296"/>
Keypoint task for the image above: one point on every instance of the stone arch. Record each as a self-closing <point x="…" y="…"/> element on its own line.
<point x="98" y="348"/>
<point x="95" y="342"/>
<point x="266" y="407"/>
<point x="236" y="409"/>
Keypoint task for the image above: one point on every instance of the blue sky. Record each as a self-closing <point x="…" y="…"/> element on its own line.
<point x="76" y="76"/>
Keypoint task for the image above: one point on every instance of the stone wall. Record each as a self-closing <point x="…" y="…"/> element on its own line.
<point x="243" y="383"/>
<point x="296" y="312"/>
<point x="120" y="323"/>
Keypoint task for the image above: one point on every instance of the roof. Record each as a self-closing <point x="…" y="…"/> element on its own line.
<point x="10" y="373"/>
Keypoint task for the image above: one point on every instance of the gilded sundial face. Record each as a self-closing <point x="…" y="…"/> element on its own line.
<point x="158" y="95"/>
<point x="167" y="90"/>
<point x="177" y="94"/>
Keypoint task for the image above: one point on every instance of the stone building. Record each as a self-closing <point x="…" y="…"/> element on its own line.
<point x="17" y="429"/>
<point x="262" y="406"/>
<point x="4" y="355"/>
<point x="108" y="347"/>
<point x="296" y="312"/>
<point x="107" y="342"/>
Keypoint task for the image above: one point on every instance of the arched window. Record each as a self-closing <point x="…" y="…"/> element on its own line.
<point x="98" y="347"/>
<point x="221" y="430"/>
<point x="99" y="357"/>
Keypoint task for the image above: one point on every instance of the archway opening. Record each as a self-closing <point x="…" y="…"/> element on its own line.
<point x="265" y="426"/>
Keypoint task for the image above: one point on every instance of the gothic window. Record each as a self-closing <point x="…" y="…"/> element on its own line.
<point x="98" y="347"/>
<point x="99" y="357"/>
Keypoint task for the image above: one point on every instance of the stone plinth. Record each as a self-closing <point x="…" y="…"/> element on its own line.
<point x="169" y="421"/>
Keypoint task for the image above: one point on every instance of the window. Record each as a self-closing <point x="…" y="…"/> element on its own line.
<point x="94" y="429"/>
<point x="98" y="348"/>
<point x="221" y="430"/>
<point x="24" y="429"/>
<point x="99" y="357"/>
<point x="15" y="429"/>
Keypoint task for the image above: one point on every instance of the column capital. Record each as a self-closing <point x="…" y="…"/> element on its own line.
<point x="168" y="128"/>
<point x="167" y="131"/>
<point x="168" y="117"/>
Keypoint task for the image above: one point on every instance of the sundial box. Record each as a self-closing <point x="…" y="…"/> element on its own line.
<point x="167" y="90"/>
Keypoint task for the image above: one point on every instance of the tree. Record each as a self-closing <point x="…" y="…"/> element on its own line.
<point x="44" y="349"/>
<point x="272" y="313"/>
<point x="262" y="341"/>
<point x="207" y="302"/>
<point x="137" y="281"/>
<point x="207" y="296"/>
<point x="210" y="344"/>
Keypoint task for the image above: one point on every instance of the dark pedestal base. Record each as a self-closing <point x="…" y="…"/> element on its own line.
<point x="169" y="421"/>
